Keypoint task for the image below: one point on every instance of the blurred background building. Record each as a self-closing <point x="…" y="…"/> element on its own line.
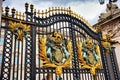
<point x="109" y="23"/>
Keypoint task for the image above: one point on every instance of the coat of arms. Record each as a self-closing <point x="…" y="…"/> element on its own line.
<point x="55" y="51"/>
<point x="89" y="55"/>
<point x="19" y="30"/>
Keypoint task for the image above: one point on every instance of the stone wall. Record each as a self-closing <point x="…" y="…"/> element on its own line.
<point x="113" y="28"/>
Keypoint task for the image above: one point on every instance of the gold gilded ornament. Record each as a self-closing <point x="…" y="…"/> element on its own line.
<point x="19" y="30"/>
<point x="56" y="52"/>
<point x="89" y="55"/>
<point x="106" y="42"/>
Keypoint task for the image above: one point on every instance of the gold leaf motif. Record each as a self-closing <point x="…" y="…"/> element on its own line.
<point x="106" y="42"/>
<point x="20" y="30"/>
<point x="20" y="35"/>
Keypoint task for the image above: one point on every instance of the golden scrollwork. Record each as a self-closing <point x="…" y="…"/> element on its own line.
<point x="89" y="55"/>
<point x="19" y="30"/>
<point x="48" y="63"/>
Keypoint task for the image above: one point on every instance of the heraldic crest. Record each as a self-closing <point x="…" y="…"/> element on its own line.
<point x="55" y="51"/>
<point x="19" y="30"/>
<point x="89" y="55"/>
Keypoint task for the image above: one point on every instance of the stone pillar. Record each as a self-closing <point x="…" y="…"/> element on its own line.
<point x="113" y="65"/>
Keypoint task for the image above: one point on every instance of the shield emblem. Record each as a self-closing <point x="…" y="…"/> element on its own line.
<point x="58" y="55"/>
<point x="56" y="52"/>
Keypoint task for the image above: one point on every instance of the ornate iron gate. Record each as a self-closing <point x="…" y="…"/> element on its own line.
<point x="21" y="52"/>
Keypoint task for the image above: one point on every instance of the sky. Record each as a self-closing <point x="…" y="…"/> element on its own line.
<point x="88" y="9"/>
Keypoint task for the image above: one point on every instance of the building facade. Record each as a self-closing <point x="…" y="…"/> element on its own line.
<point x="109" y="23"/>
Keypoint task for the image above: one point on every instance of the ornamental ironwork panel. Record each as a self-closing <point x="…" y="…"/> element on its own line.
<point x="56" y="44"/>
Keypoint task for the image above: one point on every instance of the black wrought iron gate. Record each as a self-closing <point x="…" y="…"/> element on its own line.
<point x="21" y="59"/>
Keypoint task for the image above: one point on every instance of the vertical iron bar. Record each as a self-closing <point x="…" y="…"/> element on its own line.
<point x="72" y="32"/>
<point x="56" y="27"/>
<point x="70" y="74"/>
<point x="33" y="35"/>
<point x="52" y="73"/>
<point x="66" y="74"/>
<point x="104" y="60"/>
<point x="14" y="58"/>
<point x="82" y="73"/>
<point x="43" y="64"/>
<point x="53" y="30"/>
<point x="85" y="74"/>
<point x="18" y="58"/>
<point x="21" y="59"/>
<point x="63" y="29"/>
<point x="6" y="51"/>
<point x="99" y="75"/>
<point x="28" y="56"/>
<point x="60" y="26"/>
<point x="39" y="52"/>
<point x="63" y="74"/>
<point x="66" y="30"/>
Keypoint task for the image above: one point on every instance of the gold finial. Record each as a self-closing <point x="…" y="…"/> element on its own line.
<point x="31" y="7"/>
<point x="26" y="4"/>
<point x="65" y="11"/>
<point x="69" y="8"/>
<point x="34" y="11"/>
<point x="49" y="8"/>
<point x="61" y="9"/>
<point x="74" y="14"/>
<point x="13" y="12"/>
<point x="46" y="12"/>
<point x="23" y="16"/>
<point x="26" y="7"/>
<point x="81" y="18"/>
<point x="19" y="15"/>
<point x="84" y="20"/>
<point x="16" y="14"/>
<point x="77" y="15"/>
<point x="52" y="10"/>
<point x="49" y="11"/>
<point x="38" y="13"/>
<point x="71" y="12"/>
<point x="6" y="10"/>
<point x="58" y="10"/>
<point x="55" y="10"/>
<point x="42" y="13"/>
